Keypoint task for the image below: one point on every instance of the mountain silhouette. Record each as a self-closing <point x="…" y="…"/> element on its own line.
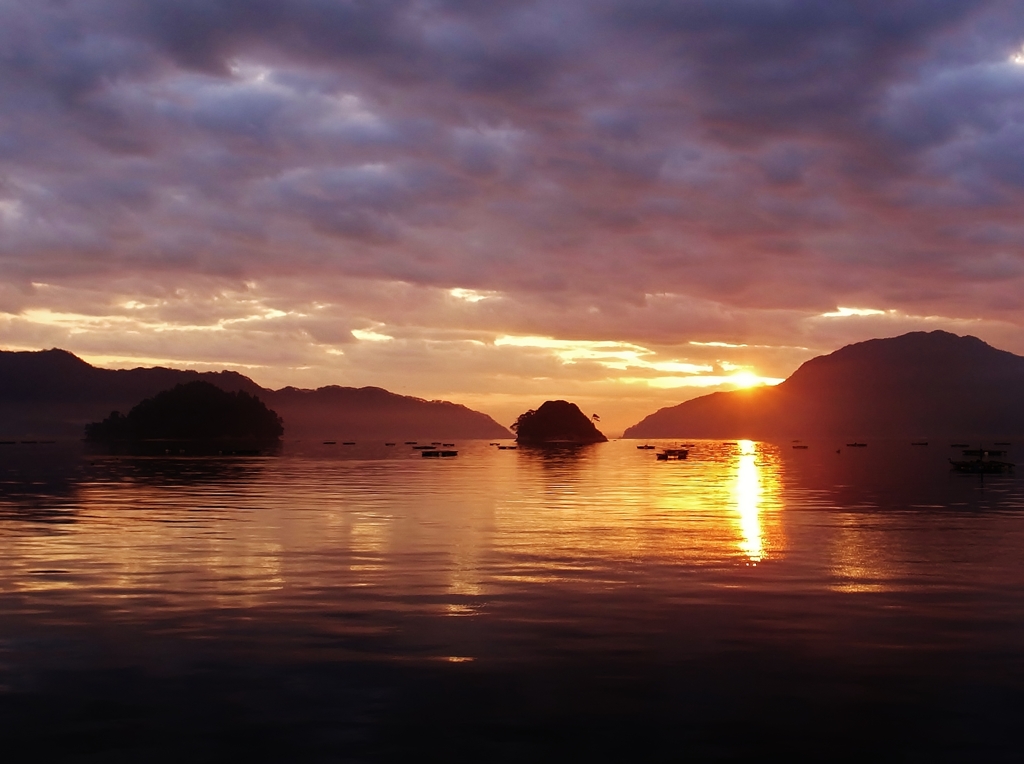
<point x="933" y="384"/>
<point x="556" y="422"/>
<point x="53" y="393"/>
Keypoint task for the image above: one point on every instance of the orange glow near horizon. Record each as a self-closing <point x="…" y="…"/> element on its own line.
<point x="747" y="379"/>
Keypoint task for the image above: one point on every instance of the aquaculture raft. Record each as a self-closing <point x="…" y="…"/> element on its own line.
<point x="672" y="454"/>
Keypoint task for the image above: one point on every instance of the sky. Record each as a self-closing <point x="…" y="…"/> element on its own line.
<point x="624" y="203"/>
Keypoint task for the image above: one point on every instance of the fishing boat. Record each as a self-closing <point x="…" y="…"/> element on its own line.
<point x="856" y="445"/>
<point x="672" y="454"/>
<point x="645" y="447"/>
<point x="981" y="466"/>
<point x="438" y="453"/>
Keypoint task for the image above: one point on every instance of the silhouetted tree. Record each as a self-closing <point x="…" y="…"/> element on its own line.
<point x="524" y="417"/>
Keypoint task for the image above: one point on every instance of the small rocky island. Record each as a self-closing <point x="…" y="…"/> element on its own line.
<point x="195" y="418"/>
<point x="556" y="422"/>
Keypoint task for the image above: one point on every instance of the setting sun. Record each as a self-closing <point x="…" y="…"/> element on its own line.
<point x="746" y="379"/>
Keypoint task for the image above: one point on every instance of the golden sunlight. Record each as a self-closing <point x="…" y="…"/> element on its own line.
<point x="756" y="493"/>
<point x="745" y="379"/>
<point x="748" y="494"/>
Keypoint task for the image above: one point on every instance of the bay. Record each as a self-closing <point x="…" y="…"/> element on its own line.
<point x="361" y="603"/>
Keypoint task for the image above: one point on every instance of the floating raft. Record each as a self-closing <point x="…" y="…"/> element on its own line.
<point x="981" y="466"/>
<point x="672" y="454"/>
<point x="438" y="453"/>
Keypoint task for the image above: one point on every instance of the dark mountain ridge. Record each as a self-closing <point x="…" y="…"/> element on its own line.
<point x="921" y="384"/>
<point x="53" y="393"/>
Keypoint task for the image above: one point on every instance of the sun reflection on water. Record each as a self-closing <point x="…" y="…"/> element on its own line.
<point x="753" y="488"/>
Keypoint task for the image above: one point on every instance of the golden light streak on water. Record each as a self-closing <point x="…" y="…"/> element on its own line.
<point x="748" y="494"/>
<point x="757" y="486"/>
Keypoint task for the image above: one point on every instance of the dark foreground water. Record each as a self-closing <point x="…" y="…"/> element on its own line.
<point x="360" y="603"/>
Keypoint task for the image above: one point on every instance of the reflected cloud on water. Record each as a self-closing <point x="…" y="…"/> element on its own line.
<point x="449" y="536"/>
<point x="556" y="568"/>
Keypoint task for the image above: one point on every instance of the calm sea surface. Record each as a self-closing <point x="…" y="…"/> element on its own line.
<point x="361" y="603"/>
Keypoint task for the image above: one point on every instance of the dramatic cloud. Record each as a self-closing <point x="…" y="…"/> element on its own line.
<point x="628" y="202"/>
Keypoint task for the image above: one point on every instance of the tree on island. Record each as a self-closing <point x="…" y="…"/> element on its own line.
<point x="556" y="422"/>
<point x="195" y="411"/>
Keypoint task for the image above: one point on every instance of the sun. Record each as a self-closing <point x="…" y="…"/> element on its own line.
<point x="745" y="379"/>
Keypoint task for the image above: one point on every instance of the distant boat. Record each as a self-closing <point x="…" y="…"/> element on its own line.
<point x="435" y="443"/>
<point x="494" y="444"/>
<point x="447" y="444"/>
<point x="389" y="444"/>
<point x="436" y="453"/>
<point x="410" y="442"/>
<point x="672" y="454"/>
<point x="856" y="445"/>
<point x="981" y="466"/>
<point x="349" y="443"/>
<point x="646" y="447"/>
<point x="983" y="452"/>
<point x="506" y="448"/>
<point x="330" y="442"/>
<point x="424" y="448"/>
<point x="800" y="446"/>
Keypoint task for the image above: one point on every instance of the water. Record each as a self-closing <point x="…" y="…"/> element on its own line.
<point x="361" y="603"/>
